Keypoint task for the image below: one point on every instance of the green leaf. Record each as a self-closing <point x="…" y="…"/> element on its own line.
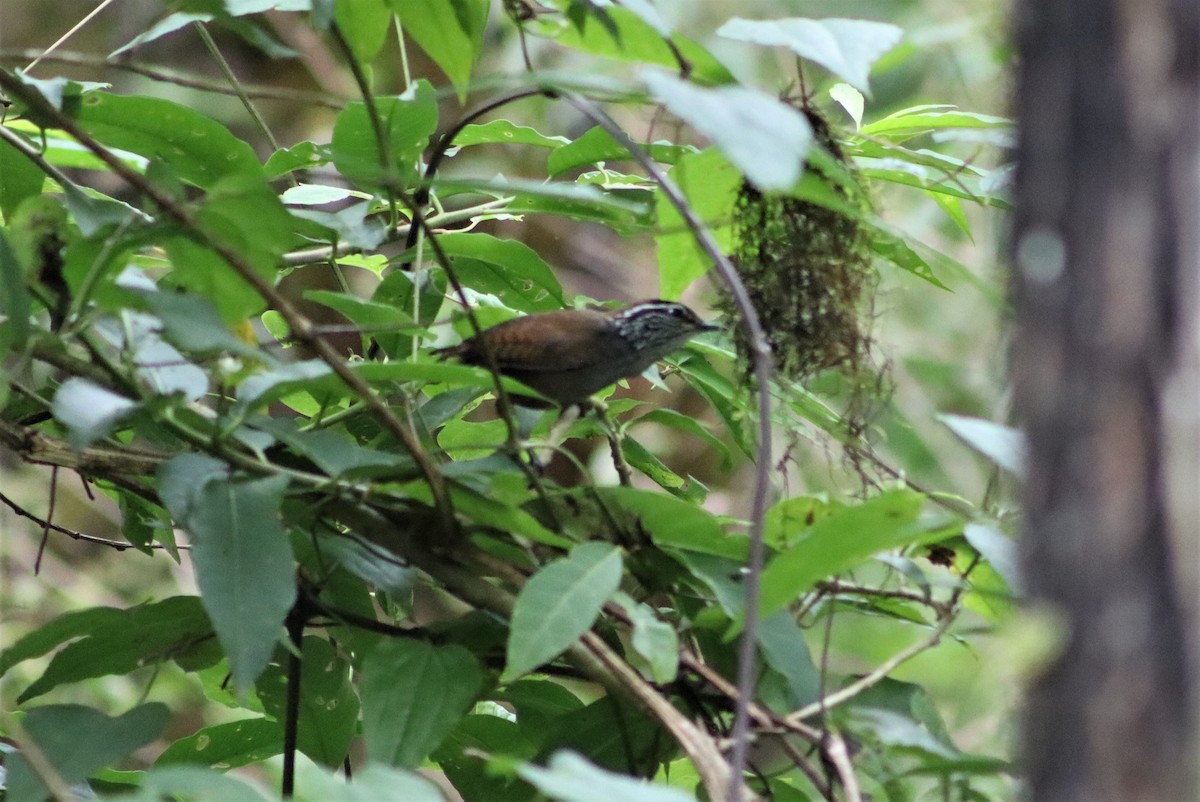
<point x="999" y="550"/>
<point x="89" y="411"/>
<point x="890" y="246"/>
<point x="364" y="314"/>
<point x="571" y="778"/>
<point x="508" y="269"/>
<point x="244" y="215"/>
<point x="785" y="650"/>
<point x="923" y="119"/>
<point x="398" y="289"/>
<point x="199" y="784"/>
<point x="19" y="179"/>
<point x="654" y="639"/>
<point x="497" y="514"/>
<point x="845" y="47"/>
<point x="449" y="31"/>
<point x="328" y="704"/>
<point x="629" y="37"/>
<point x="364" y="24"/>
<point x="710" y="183"/>
<point x="413" y="693"/>
<point x="407" y="122"/>
<point x="558" y="604"/>
<point x="763" y="136"/>
<point x="229" y="745"/>
<point x="840" y="541"/>
<point x="14" y="296"/>
<point x="672" y="523"/>
<point x="506" y="132"/>
<point x="243" y="562"/>
<point x="597" y="145"/>
<point x="1003" y="445"/>
<point x="60" y="630"/>
<point x="301" y="156"/>
<point x="113" y="642"/>
<point x="374" y="783"/>
<point x="199" y="150"/>
<point x="191" y="322"/>
<point x="79" y="741"/>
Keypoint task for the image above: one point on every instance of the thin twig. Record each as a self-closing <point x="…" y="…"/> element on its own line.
<point x="37" y="562"/>
<point x="227" y="71"/>
<point x="74" y="28"/>
<point x="763" y="369"/>
<point x="303" y="96"/>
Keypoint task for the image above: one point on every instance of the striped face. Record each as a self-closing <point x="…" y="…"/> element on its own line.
<point x="658" y="325"/>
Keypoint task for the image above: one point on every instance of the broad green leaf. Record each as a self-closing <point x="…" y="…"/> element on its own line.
<point x="631" y="38"/>
<point x="407" y="122"/>
<point x="558" y="604"/>
<point x="785" y="650"/>
<point x="364" y="24"/>
<point x="301" y="156"/>
<point x="710" y="183"/>
<point x="167" y="25"/>
<point x="640" y="459"/>
<point x="763" y="136"/>
<point x="686" y="424"/>
<point x="198" y="149"/>
<point x="420" y="294"/>
<point x="318" y="194"/>
<point x="19" y="179"/>
<point x="467" y="440"/>
<point x="79" y="741"/>
<point x="492" y="735"/>
<point x="328" y="704"/>
<point x="891" y="246"/>
<point x="191" y="322"/>
<point x="114" y="641"/>
<point x="842" y="540"/>
<point x="14" y="297"/>
<point x="506" y="132"/>
<point x="571" y="778"/>
<point x="245" y="216"/>
<point x="999" y="550"/>
<point x="332" y="451"/>
<point x="508" y="269"/>
<point x="449" y="31"/>
<point x="89" y="411"/>
<point x="923" y="119"/>
<point x="242" y="558"/>
<point x="497" y="514"/>
<point x="845" y="47"/>
<point x="897" y="730"/>
<point x="654" y="639"/>
<point x="229" y="745"/>
<point x="199" y="784"/>
<point x="413" y="693"/>
<point x="1001" y="444"/>
<point x="849" y="99"/>
<point x="373" y="783"/>
<point x="60" y="630"/>
<point x="597" y="145"/>
<point x="182" y="478"/>
<point x="671" y="522"/>
<point x="367" y="315"/>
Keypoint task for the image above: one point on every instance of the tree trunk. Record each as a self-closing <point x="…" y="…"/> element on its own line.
<point x="1105" y="255"/>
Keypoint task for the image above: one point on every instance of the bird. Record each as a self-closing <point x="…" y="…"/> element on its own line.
<point x="569" y="355"/>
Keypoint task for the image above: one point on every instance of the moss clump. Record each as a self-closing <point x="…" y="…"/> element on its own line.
<point x="807" y="267"/>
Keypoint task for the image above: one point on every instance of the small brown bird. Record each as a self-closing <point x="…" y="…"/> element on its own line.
<point x="566" y="356"/>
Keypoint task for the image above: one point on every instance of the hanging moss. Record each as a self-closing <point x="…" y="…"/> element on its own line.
<point x="808" y="270"/>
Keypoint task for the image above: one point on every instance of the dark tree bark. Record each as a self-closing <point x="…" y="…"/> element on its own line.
<point x="1105" y="255"/>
